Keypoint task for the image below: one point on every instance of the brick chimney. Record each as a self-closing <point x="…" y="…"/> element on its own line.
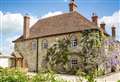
<point x="113" y="31"/>
<point x="102" y="26"/>
<point x="72" y="6"/>
<point x="94" y="18"/>
<point x="26" y="27"/>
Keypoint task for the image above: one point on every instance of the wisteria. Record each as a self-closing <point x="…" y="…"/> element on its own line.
<point x="112" y="54"/>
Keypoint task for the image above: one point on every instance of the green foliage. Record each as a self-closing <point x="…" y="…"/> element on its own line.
<point x="90" y="78"/>
<point x="57" y="56"/>
<point x="89" y="53"/>
<point x="15" y="75"/>
<point x="90" y="50"/>
<point x="99" y="72"/>
<point x="118" y="81"/>
<point x="12" y="75"/>
<point x="46" y="77"/>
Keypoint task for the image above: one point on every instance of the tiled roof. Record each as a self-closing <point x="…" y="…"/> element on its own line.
<point x="60" y="24"/>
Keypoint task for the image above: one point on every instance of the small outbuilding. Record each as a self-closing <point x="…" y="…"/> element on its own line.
<point x="16" y="60"/>
<point x="5" y="61"/>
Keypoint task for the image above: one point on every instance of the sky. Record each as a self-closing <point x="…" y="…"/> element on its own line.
<point x="12" y="12"/>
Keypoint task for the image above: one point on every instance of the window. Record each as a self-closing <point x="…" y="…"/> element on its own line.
<point x="34" y="45"/>
<point x="44" y="44"/>
<point x="73" y="41"/>
<point x="74" y="61"/>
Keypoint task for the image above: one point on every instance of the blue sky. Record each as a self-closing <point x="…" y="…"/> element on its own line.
<point x="11" y="12"/>
<point x="41" y="7"/>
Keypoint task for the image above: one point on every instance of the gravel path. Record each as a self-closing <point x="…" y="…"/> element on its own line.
<point x="113" y="77"/>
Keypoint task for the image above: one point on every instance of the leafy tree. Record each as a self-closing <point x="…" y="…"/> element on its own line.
<point x="90" y="53"/>
<point x="90" y="50"/>
<point x="113" y="52"/>
<point x="57" y="56"/>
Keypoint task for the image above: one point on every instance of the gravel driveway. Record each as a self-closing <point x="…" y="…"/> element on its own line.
<point x="113" y="77"/>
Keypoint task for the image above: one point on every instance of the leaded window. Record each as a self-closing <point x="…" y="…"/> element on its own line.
<point x="45" y="44"/>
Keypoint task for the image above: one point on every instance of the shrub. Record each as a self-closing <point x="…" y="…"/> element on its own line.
<point x="118" y="81"/>
<point x="12" y="75"/>
<point x="46" y="77"/>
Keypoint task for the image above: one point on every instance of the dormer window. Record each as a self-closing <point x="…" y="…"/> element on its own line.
<point x="74" y="41"/>
<point x="44" y="44"/>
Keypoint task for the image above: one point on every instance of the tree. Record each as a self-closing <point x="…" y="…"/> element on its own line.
<point x="113" y="54"/>
<point x="90" y="50"/>
<point x="90" y="53"/>
<point x="57" y="56"/>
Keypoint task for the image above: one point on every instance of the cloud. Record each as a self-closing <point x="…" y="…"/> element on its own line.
<point x="12" y="21"/>
<point x="112" y="20"/>
<point x="11" y="25"/>
<point x="49" y="14"/>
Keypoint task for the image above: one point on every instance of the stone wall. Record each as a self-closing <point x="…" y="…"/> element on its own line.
<point x="29" y="51"/>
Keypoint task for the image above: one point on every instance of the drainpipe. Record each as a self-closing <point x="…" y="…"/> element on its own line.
<point x="37" y="52"/>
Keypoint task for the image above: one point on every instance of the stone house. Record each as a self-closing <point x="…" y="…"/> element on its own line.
<point x="34" y="42"/>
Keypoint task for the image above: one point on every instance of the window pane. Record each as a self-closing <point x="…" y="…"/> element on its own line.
<point x="74" y="62"/>
<point x="34" y="45"/>
<point x="44" y="44"/>
<point x="73" y="41"/>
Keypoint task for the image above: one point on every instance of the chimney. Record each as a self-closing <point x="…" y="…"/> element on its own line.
<point x="26" y="27"/>
<point x="94" y="18"/>
<point x="72" y="6"/>
<point x="102" y="26"/>
<point x="113" y="31"/>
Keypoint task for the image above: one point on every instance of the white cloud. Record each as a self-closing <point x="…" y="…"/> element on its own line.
<point x="10" y="21"/>
<point x="49" y="14"/>
<point x="11" y="25"/>
<point x="13" y="21"/>
<point x="112" y="20"/>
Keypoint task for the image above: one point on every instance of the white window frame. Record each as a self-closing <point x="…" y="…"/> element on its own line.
<point x="74" y="42"/>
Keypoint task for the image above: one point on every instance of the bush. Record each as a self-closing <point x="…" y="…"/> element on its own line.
<point x="12" y="75"/>
<point x="46" y="77"/>
<point x="118" y="81"/>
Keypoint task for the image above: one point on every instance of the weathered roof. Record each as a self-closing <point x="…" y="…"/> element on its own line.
<point x="60" y="24"/>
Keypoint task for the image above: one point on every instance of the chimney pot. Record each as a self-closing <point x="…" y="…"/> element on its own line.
<point x="94" y="18"/>
<point x="113" y="31"/>
<point x="72" y="6"/>
<point x="102" y="26"/>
